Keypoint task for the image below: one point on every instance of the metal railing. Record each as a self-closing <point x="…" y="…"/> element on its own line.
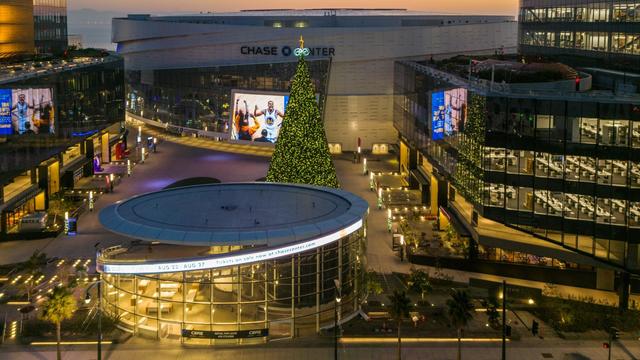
<point x="488" y="88"/>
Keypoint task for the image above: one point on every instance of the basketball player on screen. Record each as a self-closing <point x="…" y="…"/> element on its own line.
<point x="270" y="122"/>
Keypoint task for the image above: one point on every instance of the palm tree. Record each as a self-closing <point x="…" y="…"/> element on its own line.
<point x="460" y="311"/>
<point x="400" y="307"/>
<point x="60" y="306"/>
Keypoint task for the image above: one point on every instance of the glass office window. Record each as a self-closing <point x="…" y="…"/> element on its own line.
<point x="626" y="12"/>
<point x="597" y="41"/>
<point x="614" y="132"/>
<point x="580" y="40"/>
<point x="598" y="12"/>
<point x="566" y="39"/>
<point x="588" y="130"/>
<point x="625" y="43"/>
<point x="634" y="214"/>
<point x="634" y="173"/>
<point x="635" y="134"/>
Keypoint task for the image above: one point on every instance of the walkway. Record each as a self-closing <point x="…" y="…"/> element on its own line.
<point x="205" y="143"/>
<point x="172" y="162"/>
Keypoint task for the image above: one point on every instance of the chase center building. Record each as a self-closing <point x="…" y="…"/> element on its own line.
<point x="194" y="72"/>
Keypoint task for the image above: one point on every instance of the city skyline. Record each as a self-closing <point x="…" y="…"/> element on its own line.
<point x="500" y="7"/>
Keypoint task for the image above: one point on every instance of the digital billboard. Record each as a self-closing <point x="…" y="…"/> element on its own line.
<point x="257" y="117"/>
<point x="5" y="112"/>
<point x="26" y="111"/>
<point x="449" y="112"/>
<point x="455" y="111"/>
<point x="437" y="119"/>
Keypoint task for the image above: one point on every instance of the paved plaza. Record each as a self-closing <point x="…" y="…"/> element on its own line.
<point x="177" y="160"/>
<point x="171" y="163"/>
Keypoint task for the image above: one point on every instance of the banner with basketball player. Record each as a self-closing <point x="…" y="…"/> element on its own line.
<point x="257" y="116"/>
<point x="26" y="111"/>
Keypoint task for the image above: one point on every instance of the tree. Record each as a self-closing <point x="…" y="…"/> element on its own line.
<point x="399" y="310"/>
<point x="302" y="154"/>
<point x="373" y="285"/>
<point x="60" y="306"/>
<point x="493" y="315"/>
<point x="460" y="311"/>
<point x="419" y="282"/>
<point x="33" y="269"/>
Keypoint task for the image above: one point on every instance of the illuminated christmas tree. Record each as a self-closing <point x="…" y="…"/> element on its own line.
<point x="302" y="153"/>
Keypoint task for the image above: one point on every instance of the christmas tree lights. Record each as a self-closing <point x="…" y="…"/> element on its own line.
<point x="302" y="154"/>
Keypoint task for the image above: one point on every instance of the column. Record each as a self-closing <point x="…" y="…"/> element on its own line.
<point x="184" y="304"/>
<point x="293" y="297"/>
<point x="318" y="252"/>
<point x="340" y="278"/>
<point x="239" y="300"/>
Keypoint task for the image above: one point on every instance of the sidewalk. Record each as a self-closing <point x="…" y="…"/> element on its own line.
<point x="323" y="349"/>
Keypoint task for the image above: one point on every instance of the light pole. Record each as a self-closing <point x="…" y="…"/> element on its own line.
<point x="336" y="282"/>
<point x="504" y="320"/>
<point x="87" y="300"/>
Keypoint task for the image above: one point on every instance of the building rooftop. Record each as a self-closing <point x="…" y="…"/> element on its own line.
<point x="30" y="69"/>
<point x="324" y="18"/>
<point x="562" y="88"/>
<point x="237" y="214"/>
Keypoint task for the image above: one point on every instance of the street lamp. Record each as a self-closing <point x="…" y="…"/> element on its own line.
<point x="336" y="282"/>
<point x="87" y="300"/>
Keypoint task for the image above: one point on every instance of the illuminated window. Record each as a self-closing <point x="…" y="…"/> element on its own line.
<point x="300" y="24"/>
<point x="277" y="24"/>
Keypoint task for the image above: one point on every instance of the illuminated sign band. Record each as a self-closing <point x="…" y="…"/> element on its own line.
<point x="286" y="51"/>
<point x="225" y="260"/>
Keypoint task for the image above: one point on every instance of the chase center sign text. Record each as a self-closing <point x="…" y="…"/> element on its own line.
<point x="285" y="51"/>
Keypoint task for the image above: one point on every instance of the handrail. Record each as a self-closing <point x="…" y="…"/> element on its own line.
<point x="484" y="87"/>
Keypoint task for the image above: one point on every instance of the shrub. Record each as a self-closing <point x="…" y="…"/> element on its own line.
<point x="578" y="316"/>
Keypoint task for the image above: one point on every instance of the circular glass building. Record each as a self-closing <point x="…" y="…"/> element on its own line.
<point x="234" y="263"/>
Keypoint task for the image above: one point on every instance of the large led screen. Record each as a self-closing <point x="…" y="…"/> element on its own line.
<point x="257" y="117"/>
<point x="449" y="109"/>
<point x="437" y="119"/>
<point x="26" y="111"/>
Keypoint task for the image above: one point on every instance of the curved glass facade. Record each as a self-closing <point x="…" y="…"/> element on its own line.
<point x="564" y="168"/>
<point x="200" y="98"/>
<point x="593" y="29"/>
<point x="291" y="296"/>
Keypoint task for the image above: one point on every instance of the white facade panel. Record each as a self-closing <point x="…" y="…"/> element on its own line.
<point x="359" y="97"/>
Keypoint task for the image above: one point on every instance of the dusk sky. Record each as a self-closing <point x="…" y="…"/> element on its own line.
<point x="508" y="7"/>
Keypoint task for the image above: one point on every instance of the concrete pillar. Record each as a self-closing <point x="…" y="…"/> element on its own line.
<point x="623" y="291"/>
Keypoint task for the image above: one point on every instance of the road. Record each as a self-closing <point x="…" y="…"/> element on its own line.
<point x="139" y="349"/>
